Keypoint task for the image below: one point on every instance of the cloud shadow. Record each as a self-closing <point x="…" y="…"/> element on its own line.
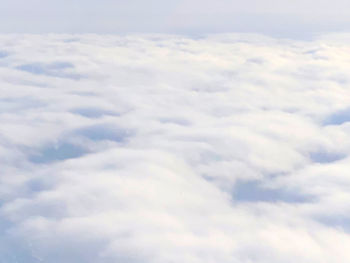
<point x="92" y="112"/>
<point x="253" y="191"/>
<point x="55" y="69"/>
<point x="4" y="54"/>
<point x="54" y="153"/>
<point x="338" y="118"/>
<point x="103" y="132"/>
<point x="325" y="157"/>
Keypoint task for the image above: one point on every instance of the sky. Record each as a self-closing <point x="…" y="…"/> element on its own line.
<point x="281" y="18"/>
<point x="174" y="131"/>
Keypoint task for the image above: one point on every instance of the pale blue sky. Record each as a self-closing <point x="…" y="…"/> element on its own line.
<point x="282" y="17"/>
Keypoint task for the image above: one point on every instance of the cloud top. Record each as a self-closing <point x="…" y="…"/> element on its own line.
<point x="162" y="148"/>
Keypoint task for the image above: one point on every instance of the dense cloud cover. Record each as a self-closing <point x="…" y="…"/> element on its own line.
<point x="228" y="148"/>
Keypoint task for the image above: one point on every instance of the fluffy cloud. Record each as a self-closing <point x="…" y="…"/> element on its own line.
<point x="154" y="148"/>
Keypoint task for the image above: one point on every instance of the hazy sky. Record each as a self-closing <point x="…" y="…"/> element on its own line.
<point x="282" y="17"/>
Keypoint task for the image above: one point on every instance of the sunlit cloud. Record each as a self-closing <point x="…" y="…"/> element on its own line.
<point x="154" y="148"/>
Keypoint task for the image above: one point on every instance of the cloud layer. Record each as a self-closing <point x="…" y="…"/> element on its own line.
<point x="155" y="148"/>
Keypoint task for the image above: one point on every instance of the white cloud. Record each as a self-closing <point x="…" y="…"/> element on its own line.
<point x="154" y="148"/>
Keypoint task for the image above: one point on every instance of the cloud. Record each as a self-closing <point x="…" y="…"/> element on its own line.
<point x="55" y="69"/>
<point x="225" y="148"/>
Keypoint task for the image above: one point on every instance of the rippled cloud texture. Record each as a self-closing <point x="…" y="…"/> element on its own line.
<point x="228" y="148"/>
